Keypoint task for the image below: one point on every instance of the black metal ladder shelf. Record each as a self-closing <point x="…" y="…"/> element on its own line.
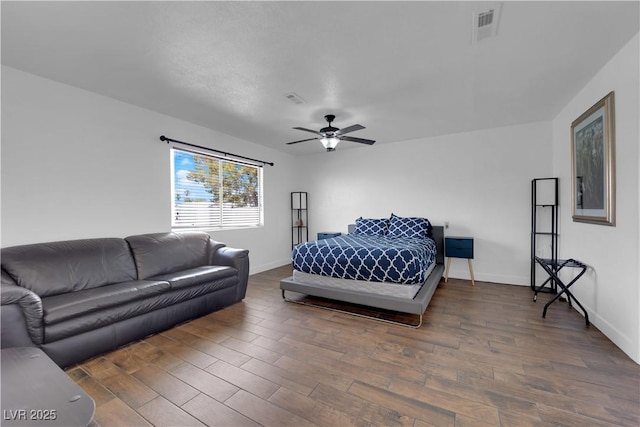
<point x="544" y="226"/>
<point x="553" y="267"/>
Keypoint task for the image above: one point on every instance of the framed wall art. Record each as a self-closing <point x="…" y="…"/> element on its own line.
<point x="593" y="164"/>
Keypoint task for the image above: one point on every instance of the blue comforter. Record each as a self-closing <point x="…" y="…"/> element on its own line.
<point x="372" y="258"/>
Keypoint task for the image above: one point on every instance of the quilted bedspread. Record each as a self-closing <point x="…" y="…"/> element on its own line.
<point x="362" y="257"/>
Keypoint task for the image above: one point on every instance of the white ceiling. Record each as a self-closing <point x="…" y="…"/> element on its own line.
<point x="403" y="70"/>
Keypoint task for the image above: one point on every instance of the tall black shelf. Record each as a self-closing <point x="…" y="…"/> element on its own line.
<point x="544" y="208"/>
<point x="299" y="218"/>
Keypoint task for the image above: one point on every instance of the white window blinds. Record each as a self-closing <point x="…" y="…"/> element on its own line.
<point x="211" y="192"/>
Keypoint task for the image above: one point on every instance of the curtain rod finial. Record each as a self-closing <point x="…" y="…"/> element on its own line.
<point x="163" y="138"/>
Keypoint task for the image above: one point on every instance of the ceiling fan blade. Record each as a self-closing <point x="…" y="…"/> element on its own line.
<point x="348" y="129"/>
<point x="302" y="140"/>
<point x="309" y="130"/>
<point x="360" y="140"/>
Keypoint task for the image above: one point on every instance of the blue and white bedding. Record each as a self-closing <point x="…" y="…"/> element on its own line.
<point x="376" y="258"/>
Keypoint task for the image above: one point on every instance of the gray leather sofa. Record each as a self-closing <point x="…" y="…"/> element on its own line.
<point x="76" y="299"/>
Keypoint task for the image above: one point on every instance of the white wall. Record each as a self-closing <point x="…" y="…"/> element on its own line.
<point x="478" y="181"/>
<point x="79" y="165"/>
<point x="609" y="290"/>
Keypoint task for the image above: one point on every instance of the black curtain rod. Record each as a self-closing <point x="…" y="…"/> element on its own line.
<point x="164" y="138"/>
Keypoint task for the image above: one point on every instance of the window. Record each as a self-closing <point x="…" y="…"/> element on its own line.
<point x="212" y="192"/>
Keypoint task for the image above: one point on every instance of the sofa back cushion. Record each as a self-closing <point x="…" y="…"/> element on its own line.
<point x="59" y="267"/>
<point x="163" y="253"/>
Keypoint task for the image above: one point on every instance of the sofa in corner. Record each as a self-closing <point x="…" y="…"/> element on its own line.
<point x="80" y="298"/>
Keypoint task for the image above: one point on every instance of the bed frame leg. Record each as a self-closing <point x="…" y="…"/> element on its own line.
<point x="393" y="322"/>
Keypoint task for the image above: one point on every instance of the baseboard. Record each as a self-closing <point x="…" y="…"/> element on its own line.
<point x="462" y="273"/>
<point x="618" y="338"/>
<point x="264" y="267"/>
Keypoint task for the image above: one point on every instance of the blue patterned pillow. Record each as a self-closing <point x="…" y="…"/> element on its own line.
<point x="371" y="226"/>
<point x="409" y="227"/>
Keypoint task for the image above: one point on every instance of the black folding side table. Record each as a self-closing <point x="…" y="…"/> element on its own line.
<point x="553" y="267"/>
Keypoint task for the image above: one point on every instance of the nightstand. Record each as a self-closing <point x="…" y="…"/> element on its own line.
<point x="458" y="247"/>
<point x="328" y="235"/>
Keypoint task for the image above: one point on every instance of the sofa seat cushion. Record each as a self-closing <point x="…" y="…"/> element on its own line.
<point x="75" y="304"/>
<point x="108" y="316"/>
<point x="196" y="276"/>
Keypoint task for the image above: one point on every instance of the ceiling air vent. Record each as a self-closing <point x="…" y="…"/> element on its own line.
<point x="485" y="18"/>
<point x="485" y="23"/>
<point x="295" y="98"/>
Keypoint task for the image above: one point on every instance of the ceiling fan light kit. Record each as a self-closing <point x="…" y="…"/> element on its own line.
<point x="330" y="136"/>
<point x="329" y="143"/>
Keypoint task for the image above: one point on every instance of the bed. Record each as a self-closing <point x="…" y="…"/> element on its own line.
<point x="353" y="270"/>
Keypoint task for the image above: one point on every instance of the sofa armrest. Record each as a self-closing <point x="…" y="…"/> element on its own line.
<point x="214" y="247"/>
<point x="239" y="259"/>
<point x="21" y="315"/>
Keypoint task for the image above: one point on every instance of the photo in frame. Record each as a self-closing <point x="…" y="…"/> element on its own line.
<point x="593" y="164"/>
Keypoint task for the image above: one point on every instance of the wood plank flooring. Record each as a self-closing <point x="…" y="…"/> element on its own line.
<point x="483" y="357"/>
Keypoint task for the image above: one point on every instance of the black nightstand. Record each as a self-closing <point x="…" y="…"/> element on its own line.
<point x="458" y="247"/>
<point x="328" y="235"/>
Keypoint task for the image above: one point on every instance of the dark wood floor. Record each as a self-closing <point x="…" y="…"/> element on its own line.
<point x="484" y="357"/>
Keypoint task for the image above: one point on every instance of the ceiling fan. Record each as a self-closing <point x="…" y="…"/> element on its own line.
<point x="330" y="136"/>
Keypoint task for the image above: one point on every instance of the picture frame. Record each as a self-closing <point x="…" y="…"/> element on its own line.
<point x="593" y="164"/>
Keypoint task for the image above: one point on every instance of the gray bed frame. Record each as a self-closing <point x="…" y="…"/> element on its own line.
<point x="417" y="305"/>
